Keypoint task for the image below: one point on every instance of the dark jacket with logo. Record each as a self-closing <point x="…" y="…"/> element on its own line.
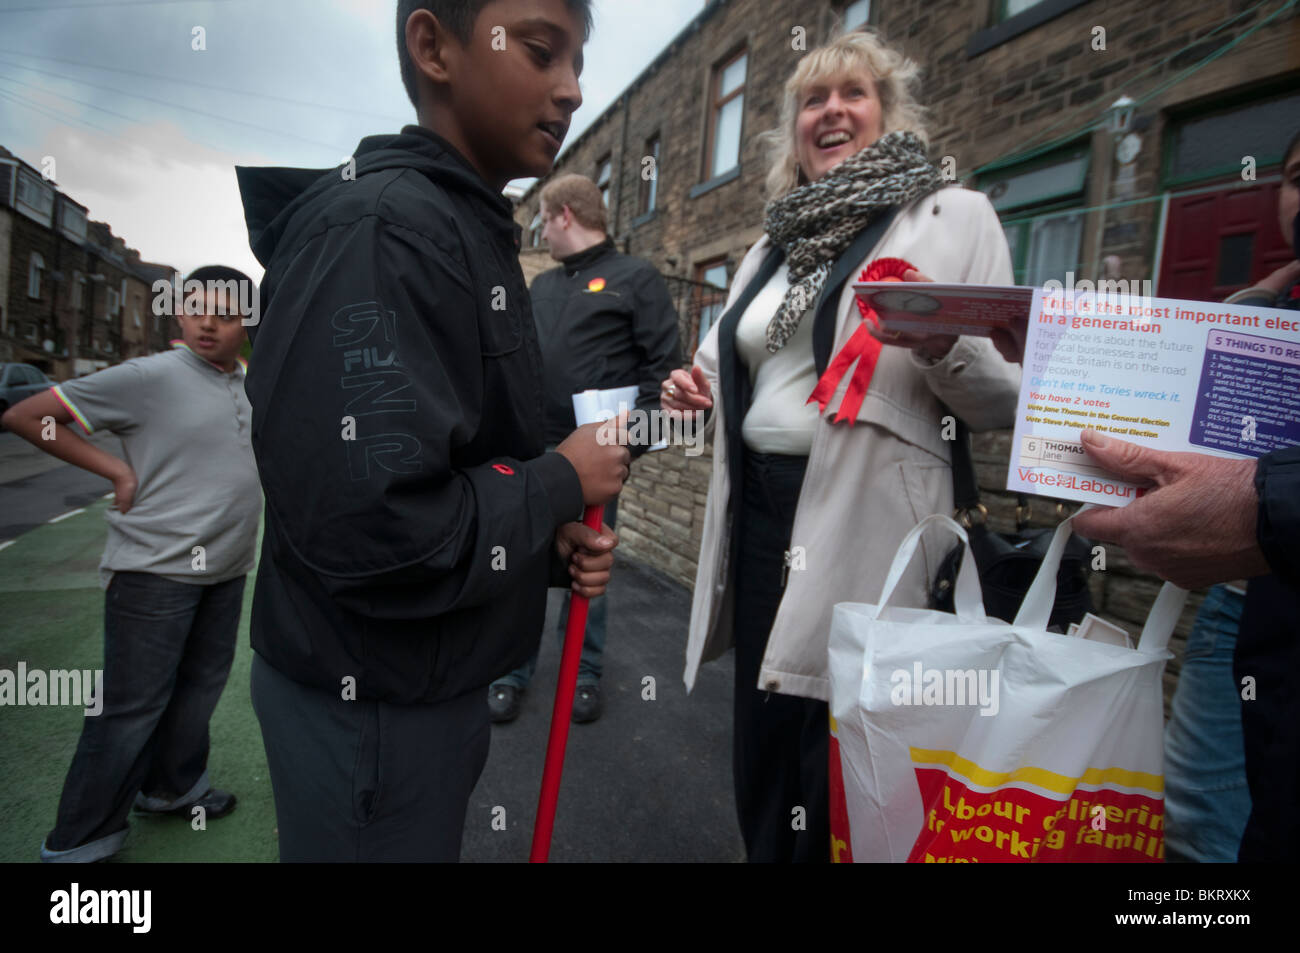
<point x="604" y="320"/>
<point x="396" y="391"/>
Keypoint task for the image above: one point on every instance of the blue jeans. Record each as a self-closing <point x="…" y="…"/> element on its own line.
<point x="168" y="647"/>
<point x="1207" y="801"/>
<point x="593" y="645"/>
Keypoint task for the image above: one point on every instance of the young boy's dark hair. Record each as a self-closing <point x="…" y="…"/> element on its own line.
<point x="458" y="17"/>
<point x="207" y="273"/>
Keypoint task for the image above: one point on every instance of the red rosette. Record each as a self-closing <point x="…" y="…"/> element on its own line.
<point x="860" y="347"/>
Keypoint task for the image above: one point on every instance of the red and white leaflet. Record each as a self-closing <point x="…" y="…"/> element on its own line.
<point x="928" y="307"/>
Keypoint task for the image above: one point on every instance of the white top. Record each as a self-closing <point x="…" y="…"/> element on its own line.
<point x="780" y="420"/>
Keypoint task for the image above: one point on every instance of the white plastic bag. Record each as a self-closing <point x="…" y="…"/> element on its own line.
<point x="965" y="739"/>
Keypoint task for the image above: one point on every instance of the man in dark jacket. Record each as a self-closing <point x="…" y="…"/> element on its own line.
<point x="413" y="521"/>
<point x="604" y="320"/>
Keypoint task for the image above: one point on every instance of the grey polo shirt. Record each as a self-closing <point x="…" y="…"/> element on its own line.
<point x="185" y="426"/>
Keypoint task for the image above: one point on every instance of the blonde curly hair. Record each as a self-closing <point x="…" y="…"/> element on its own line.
<point x="858" y="53"/>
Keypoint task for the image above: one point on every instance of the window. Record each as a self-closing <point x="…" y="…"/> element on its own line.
<point x="857" y="14"/>
<point x="73" y="221"/>
<point x="535" y="231"/>
<point x="31" y="330"/>
<point x="111" y="303"/>
<point x="1211" y="145"/>
<point x="1036" y="200"/>
<point x="135" y="310"/>
<point x="1009" y="8"/>
<point x="78" y="288"/>
<point x="34" y="270"/>
<point x="35" y="199"/>
<point x="722" y="151"/>
<point x="710" y="296"/>
<point x="649" y="172"/>
<point x="1009" y="19"/>
<point x="603" y="175"/>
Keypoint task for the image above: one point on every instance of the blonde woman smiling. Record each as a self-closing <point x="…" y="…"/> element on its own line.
<point x="805" y="510"/>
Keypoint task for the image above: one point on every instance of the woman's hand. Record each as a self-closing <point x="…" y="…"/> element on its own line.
<point x="928" y="347"/>
<point x="686" y="392"/>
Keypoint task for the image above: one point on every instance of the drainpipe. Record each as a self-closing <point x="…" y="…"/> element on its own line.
<point x="622" y="158"/>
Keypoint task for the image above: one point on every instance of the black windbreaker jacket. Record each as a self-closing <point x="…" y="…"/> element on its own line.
<point x="604" y="320"/>
<point x="397" y="424"/>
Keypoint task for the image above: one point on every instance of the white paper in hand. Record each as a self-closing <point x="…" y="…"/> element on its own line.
<point x="592" y="406"/>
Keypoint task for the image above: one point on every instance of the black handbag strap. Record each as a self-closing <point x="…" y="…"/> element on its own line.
<point x="965" y="485"/>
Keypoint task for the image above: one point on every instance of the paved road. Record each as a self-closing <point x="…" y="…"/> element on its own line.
<point x="650" y="780"/>
<point x="36" y="487"/>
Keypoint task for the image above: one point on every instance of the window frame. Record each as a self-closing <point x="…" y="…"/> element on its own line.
<point x="1023" y="219"/>
<point x="1208" y="110"/>
<point x="76" y="231"/>
<point x="648" y="191"/>
<point x="844" y="16"/>
<point x="716" y="105"/>
<point x="35" y="187"/>
<point x="35" y="268"/>
<point x="1000" y="30"/>
<point x="605" y="172"/>
<point x="698" y="303"/>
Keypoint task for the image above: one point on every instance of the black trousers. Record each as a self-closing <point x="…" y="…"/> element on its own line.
<point x="1268" y="652"/>
<point x="368" y="781"/>
<point x="781" y="741"/>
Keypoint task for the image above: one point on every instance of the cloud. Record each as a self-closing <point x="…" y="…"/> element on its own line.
<point x="175" y="200"/>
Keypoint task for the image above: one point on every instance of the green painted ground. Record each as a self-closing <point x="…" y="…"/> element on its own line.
<point x="51" y="617"/>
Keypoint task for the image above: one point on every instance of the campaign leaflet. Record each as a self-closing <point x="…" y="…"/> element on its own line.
<point x="932" y="308"/>
<point x="1210" y="378"/>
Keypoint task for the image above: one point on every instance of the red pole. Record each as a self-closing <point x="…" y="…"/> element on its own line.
<point x="574" y="633"/>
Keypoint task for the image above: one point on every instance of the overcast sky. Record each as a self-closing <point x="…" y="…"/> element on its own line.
<point x="145" y="130"/>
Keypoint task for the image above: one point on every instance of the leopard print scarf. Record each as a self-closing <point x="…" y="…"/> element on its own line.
<point x="815" y="223"/>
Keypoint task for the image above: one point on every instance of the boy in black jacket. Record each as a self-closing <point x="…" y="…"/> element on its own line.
<point x="413" y="521"/>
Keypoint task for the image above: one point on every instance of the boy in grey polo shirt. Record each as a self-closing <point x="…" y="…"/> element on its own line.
<point x="181" y="538"/>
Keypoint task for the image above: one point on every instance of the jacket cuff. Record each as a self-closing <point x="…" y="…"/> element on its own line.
<point x="959" y="357"/>
<point x="563" y="488"/>
<point x="1255" y="296"/>
<point x="1277" y="481"/>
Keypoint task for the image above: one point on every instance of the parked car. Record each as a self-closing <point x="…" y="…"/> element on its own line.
<point x="20" y="381"/>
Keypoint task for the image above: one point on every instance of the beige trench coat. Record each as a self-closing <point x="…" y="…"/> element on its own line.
<point x="868" y="484"/>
